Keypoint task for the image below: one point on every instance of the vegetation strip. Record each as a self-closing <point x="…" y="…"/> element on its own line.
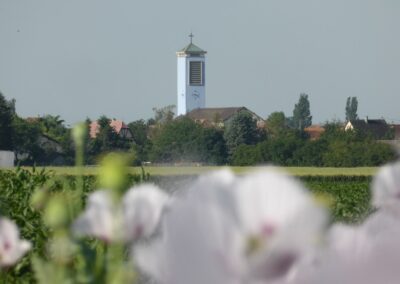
<point x="193" y="170"/>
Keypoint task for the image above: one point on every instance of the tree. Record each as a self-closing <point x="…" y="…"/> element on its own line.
<point x="281" y="149"/>
<point x="351" y="108"/>
<point x="164" y="114"/>
<point x="247" y="155"/>
<point x="6" y="129"/>
<point x="106" y="140"/>
<point x="215" y="146"/>
<point x="178" y="141"/>
<point x="183" y="140"/>
<point x="25" y="139"/>
<point x="142" y="143"/>
<point x="276" y="123"/>
<point x="52" y="125"/>
<point x="301" y="113"/>
<point x="162" y="117"/>
<point x="241" y="130"/>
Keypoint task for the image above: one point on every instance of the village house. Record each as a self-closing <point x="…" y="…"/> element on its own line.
<point x="118" y="126"/>
<point x="314" y="131"/>
<point x="377" y="128"/>
<point x="395" y="130"/>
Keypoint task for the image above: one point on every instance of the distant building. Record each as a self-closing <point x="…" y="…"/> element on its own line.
<point x="191" y="78"/>
<point x="378" y="128"/>
<point x="396" y="131"/>
<point x="50" y="144"/>
<point x="7" y="159"/>
<point x="118" y="125"/>
<point x="314" y="131"/>
<point x="191" y="100"/>
<point x="220" y="117"/>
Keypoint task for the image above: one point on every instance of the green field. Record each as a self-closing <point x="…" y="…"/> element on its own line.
<point x="193" y="170"/>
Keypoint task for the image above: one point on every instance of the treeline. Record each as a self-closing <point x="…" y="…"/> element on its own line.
<point x="167" y="140"/>
<point x="241" y="143"/>
<point x="335" y="148"/>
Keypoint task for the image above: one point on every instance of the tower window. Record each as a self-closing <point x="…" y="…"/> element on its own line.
<point x="196" y="73"/>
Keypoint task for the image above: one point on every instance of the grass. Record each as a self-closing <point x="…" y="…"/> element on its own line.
<point x="193" y="170"/>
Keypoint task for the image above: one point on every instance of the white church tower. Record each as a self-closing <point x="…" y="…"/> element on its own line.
<point x="191" y="78"/>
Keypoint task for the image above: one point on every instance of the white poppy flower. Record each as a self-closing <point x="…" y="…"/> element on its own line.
<point x="200" y="244"/>
<point x="142" y="209"/>
<point x="277" y="212"/>
<point x="101" y="218"/>
<point x="12" y="248"/>
<point x="234" y="230"/>
<point x="386" y="189"/>
<point x="359" y="255"/>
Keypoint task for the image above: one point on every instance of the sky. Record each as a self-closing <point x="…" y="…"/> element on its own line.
<point x="87" y="58"/>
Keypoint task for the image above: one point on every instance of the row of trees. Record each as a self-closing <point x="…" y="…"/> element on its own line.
<point x="335" y="148"/>
<point x="31" y="139"/>
<point x="163" y="139"/>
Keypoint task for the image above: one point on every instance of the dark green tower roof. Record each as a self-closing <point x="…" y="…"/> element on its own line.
<point x="191" y="49"/>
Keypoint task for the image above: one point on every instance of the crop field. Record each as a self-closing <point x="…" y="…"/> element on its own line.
<point x="193" y="170"/>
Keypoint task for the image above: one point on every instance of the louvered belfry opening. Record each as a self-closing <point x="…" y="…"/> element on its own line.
<point x="196" y="73"/>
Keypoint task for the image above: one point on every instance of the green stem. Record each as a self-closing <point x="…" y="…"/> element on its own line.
<point x="3" y="276"/>
<point x="101" y="263"/>
<point x="79" y="154"/>
<point x="115" y="262"/>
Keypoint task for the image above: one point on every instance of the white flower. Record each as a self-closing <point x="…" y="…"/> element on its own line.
<point x="101" y="218"/>
<point x="250" y="229"/>
<point x="276" y="211"/>
<point x="386" y="189"/>
<point x="364" y="254"/>
<point x="142" y="209"/>
<point x="200" y="244"/>
<point x="12" y="248"/>
<point x="138" y="215"/>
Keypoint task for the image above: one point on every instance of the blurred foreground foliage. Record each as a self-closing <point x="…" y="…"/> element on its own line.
<point x="43" y="206"/>
<point x="349" y="196"/>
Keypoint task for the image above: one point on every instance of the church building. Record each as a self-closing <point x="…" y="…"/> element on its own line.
<point x="191" y="78"/>
<point x="192" y="91"/>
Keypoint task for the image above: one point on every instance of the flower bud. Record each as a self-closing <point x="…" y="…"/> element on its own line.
<point x="56" y="214"/>
<point x="39" y="198"/>
<point x="113" y="171"/>
<point x="79" y="133"/>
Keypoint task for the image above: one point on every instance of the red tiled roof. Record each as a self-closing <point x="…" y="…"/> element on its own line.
<point x="314" y="131"/>
<point x="117" y="125"/>
<point x="32" y="119"/>
<point x="396" y="128"/>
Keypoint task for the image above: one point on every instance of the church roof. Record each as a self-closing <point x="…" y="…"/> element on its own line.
<point x="212" y="113"/>
<point x="192" y="49"/>
<point x="219" y="116"/>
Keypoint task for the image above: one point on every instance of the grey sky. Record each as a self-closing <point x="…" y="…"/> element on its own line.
<point x="84" y="58"/>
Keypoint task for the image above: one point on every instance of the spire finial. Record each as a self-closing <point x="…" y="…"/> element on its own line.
<point x="191" y="37"/>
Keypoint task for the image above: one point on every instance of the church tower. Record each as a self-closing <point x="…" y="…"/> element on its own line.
<point x="191" y="78"/>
